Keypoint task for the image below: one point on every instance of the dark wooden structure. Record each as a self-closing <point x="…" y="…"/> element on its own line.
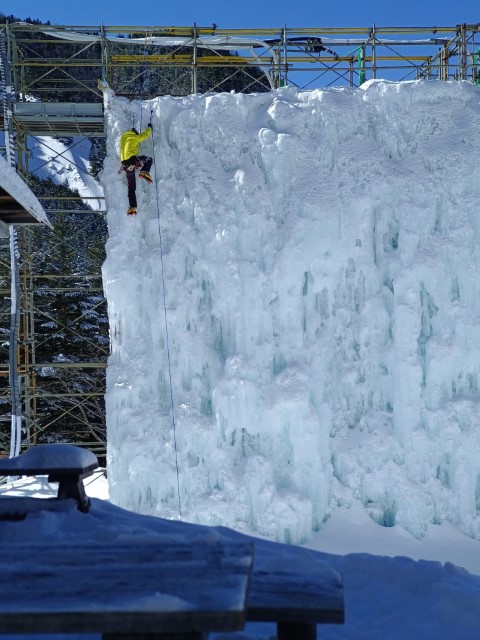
<point x="149" y="589"/>
<point x="159" y="590"/>
<point x="297" y="602"/>
<point x="13" y="212"/>
<point x="155" y="590"/>
<point x="66" y="464"/>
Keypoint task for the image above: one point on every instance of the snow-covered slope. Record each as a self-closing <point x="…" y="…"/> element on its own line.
<point x="316" y="342"/>
<point x="65" y="161"/>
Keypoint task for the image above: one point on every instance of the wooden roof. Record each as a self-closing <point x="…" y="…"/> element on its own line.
<point x="13" y="212"/>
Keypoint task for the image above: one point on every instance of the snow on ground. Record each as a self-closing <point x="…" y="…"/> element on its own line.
<point x="396" y="586"/>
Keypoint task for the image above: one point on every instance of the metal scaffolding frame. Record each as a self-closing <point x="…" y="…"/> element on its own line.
<point x="141" y="62"/>
<point x="306" y="57"/>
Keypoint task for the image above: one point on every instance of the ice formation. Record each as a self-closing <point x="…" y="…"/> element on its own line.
<point x="295" y="310"/>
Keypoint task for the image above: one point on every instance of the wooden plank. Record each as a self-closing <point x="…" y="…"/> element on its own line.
<point x="120" y="588"/>
<point x="12" y="211"/>
<point x="296" y="597"/>
<point x="297" y="602"/>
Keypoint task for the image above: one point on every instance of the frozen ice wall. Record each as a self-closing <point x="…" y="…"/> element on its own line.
<point x="295" y="310"/>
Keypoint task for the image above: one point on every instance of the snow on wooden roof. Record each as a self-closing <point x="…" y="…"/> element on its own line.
<point x="18" y="204"/>
<point x="48" y="458"/>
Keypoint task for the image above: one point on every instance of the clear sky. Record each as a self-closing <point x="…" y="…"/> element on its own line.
<point x="248" y="13"/>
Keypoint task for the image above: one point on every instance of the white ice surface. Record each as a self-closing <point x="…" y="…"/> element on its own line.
<point x="294" y="312"/>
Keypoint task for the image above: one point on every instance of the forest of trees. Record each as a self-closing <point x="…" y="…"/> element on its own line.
<point x="71" y="323"/>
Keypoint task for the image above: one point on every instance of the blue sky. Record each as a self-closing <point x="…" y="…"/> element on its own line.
<point x="248" y="13"/>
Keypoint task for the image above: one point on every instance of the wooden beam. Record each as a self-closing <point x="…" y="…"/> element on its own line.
<point x="12" y="212"/>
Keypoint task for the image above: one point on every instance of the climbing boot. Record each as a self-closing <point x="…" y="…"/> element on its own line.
<point x="146" y="176"/>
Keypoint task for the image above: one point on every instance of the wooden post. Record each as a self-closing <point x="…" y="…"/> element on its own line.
<point x="296" y="631"/>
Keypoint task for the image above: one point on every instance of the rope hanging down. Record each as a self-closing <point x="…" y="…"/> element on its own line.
<point x="166" y="325"/>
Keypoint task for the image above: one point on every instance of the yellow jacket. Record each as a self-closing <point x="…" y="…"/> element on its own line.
<point x="130" y="141"/>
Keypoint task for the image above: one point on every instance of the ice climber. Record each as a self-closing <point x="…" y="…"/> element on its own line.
<point x="129" y="145"/>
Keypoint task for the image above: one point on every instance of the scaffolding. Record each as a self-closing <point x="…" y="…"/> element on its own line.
<point x="54" y="73"/>
<point x="304" y="57"/>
